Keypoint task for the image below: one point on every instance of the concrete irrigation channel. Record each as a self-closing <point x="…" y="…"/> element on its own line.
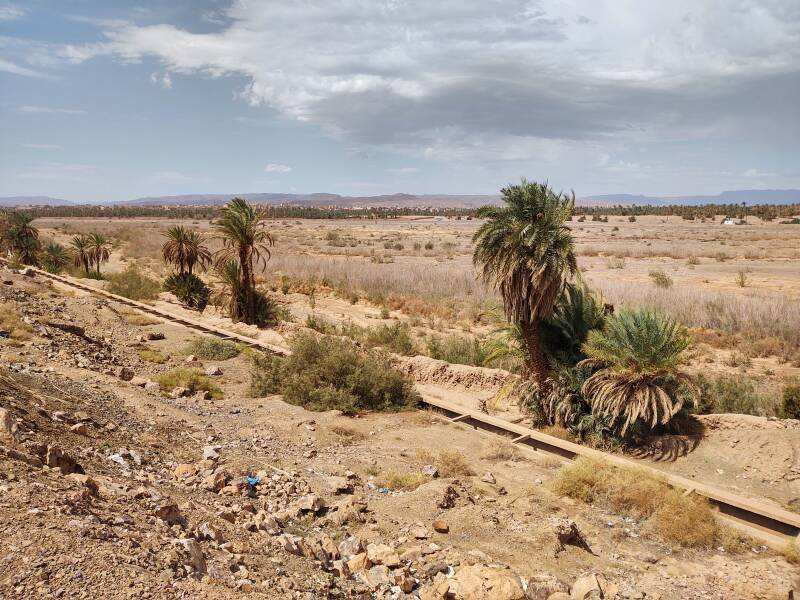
<point x="771" y="525"/>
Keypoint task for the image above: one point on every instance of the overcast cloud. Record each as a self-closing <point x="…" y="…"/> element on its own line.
<point x="569" y="85"/>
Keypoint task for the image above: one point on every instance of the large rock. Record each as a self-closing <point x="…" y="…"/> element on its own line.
<point x="184" y="470"/>
<point x="311" y="503"/>
<point x="55" y="458"/>
<point x="124" y="373"/>
<point x="351" y="546"/>
<point x="193" y="555"/>
<point x="9" y="431"/>
<point x="483" y="583"/>
<point x="381" y="554"/>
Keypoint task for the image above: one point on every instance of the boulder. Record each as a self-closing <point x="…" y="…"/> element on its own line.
<point x="169" y="513"/>
<point x="290" y="543"/>
<point x="9" y="430"/>
<point x="184" y="470"/>
<point x="381" y="554"/>
<point x="213" y="371"/>
<point x="351" y="546"/>
<point x="310" y="503"/>
<point x="211" y="452"/>
<point x="430" y="471"/>
<point x="80" y="429"/>
<point x="193" y="555"/>
<point x="179" y="392"/>
<point x="440" y="527"/>
<point x="484" y="583"/>
<point x="359" y="562"/>
<point x="55" y="458"/>
<point x="124" y="373"/>
<point x="488" y="477"/>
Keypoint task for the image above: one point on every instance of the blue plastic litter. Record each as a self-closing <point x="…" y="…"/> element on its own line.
<point x="252" y="480"/>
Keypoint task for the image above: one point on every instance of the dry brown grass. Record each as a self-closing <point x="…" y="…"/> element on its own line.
<point x="153" y="356"/>
<point x="450" y="463"/>
<point x="11" y="321"/>
<point x="346" y="434"/>
<point x="792" y="552"/>
<point x="501" y="450"/>
<point x="401" y="480"/>
<point x="677" y="519"/>
<point x="138" y="319"/>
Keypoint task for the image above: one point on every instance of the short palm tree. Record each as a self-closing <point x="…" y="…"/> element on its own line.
<point x="242" y="229"/>
<point x="526" y="251"/>
<point x="640" y="354"/>
<point x="81" y="252"/>
<point x="184" y="248"/>
<point x="54" y="257"/>
<point x="99" y="249"/>
<point x="21" y="237"/>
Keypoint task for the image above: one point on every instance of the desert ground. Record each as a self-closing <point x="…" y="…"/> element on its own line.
<point x="153" y="493"/>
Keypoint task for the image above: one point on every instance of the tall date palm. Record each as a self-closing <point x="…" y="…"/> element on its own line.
<point x="242" y="230"/>
<point x="81" y="252"/>
<point x="526" y="251"/>
<point x="184" y="248"/>
<point x="99" y="249"/>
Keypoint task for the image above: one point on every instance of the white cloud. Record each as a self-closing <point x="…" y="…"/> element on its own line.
<point x="403" y="170"/>
<point x="42" y="146"/>
<point x="165" y="81"/>
<point x="9" y="12"/>
<point x="32" y="109"/>
<point x="7" y="66"/>
<point x="555" y="84"/>
<point x="277" y="168"/>
<point x="757" y="173"/>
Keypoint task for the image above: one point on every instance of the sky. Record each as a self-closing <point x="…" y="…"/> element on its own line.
<point x="112" y="100"/>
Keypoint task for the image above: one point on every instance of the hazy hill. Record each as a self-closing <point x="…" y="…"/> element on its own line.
<point x="33" y="201"/>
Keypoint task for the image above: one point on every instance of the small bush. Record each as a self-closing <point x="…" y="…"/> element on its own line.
<point x="396" y="337"/>
<point x="140" y="320"/>
<point x="677" y="519"/>
<point x="428" y="245"/>
<point x="192" y="379"/>
<point x="401" y="480"/>
<point x="693" y="260"/>
<point x="133" y="284"/>
<point x="450" y="463"/>
<point x="741" y="279"/>
<point x="327" y="373"/>
<point x="661" y="279"/>
<point x="153" y="356"/>
<point x="733" y="394"/>
<point x="792" y="551"/>
<point x="211" y="348"/>
<point x="458" y="350"/>
<point x="11" y="322"/>
<point x="790" y="405"/>
<point x="190" y="290"/>
<point x="501" y="450"/>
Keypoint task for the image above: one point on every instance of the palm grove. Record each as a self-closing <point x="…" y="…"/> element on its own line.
<point x="604" y="376"/>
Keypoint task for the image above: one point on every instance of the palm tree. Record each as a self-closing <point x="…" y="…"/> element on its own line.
<point x="241" y="228"/>
<point x="99" y="249"/>
<point x="525" y="251"/>
<point x="639" y="354"/>
<point x="184" y="248"/>
<point x="81" y="252"/>
<point x="21" y="237"/>
<point x="54" y="257"/>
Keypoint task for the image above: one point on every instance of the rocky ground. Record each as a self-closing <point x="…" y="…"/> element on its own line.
<point x="109" y="489"/>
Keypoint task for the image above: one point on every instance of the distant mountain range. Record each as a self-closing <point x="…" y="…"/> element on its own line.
<point x="10" y="201"/>
<point x="411" y="200"/>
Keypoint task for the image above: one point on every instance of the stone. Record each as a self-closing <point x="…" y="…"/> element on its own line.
<point x="440" y="527"/>
<point x="412" y="554"/>
<point x="215" y="482"/>
<point x="213" y="371"/>
<point x="179" y="392"/>
<point x="311" y="503"/>
<point x="430" y="470"/>
<point x="205" y="531"/>
<point x="290" y="543"/>
<point x="378" y="576"/>
<point x="80" y="429"/>
<point x="9" y="430"/>
<point x="348" y="510"/>
<point x="151" y="386"/>
<point x="268" y="523"/>
<point x="404" y="580"/>
<point x="488" y="477"/>
<point x="487" y="583"/>
<point x="191" y="358"/>
<point x="124" y="373"/>
<point x="211" y="452"/>
<point x="87" y="482"/>
<point x="339" y="485"/>
<point x="169" y="513"/>
<point x="152" y="336"/>
<point x="543" y="587"/>
<point x="359" y="562"/>
<point x="184" y="470"/>
<point x="193" y="555"/>
<point x="418" y="532"/>
<point x="432" y="569"/>
<point x="435" y="591"/>
<point x="55" y="458"/>
<point x="381" y="554"/>
<point x="584" y="587"/>
<point x="559" y="596"/>
<point x="340" y="569"/>
<point x="351" y="546"/>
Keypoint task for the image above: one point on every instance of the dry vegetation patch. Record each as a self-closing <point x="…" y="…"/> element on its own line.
<point x="682" y="520"/>
<point x="12" y="323"/>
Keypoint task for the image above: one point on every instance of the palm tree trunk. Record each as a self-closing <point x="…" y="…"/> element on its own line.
<point x="535" y="365"/>
<point x="247" y="282"/>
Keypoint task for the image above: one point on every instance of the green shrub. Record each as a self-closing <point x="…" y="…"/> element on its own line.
<point x="153" y="356"/>
<point x="327" y="372"/>
<point x="192" y="379"/>
<point x="790" y="406"/>
<point x="457" y="349"/>
<point x="733" y="394"/>
<point x="396" y="337"/>
<point x="189" y="289"/>
<point x="661" y="279"/>
<point x="211" y="348"/>
<point x="133" y="284"/>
